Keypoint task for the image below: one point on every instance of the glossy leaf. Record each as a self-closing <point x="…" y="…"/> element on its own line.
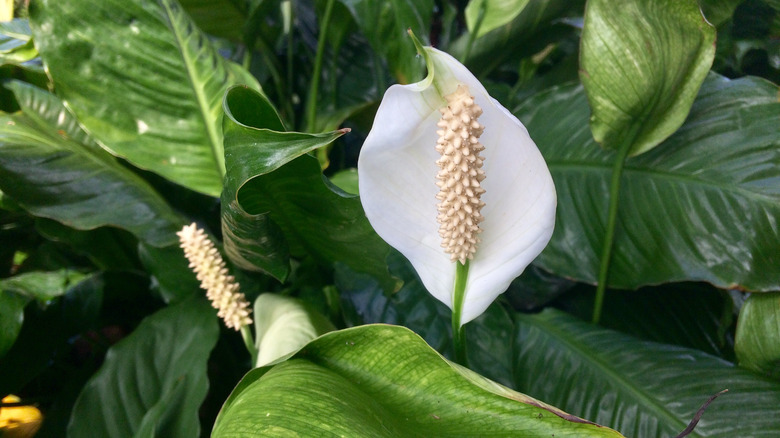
<point x="701" y="206"/>
<point x="642" y="65"/>
<point x="283" y="325"/>
<point x="491" y="14"/>
<point x="54" y="170"/>
<point x="384" y="381"/>
<point x="270" y="174"/>
<point x="385" y="24"/>
<point x="642" y="389"/>
<point x="152" y="382"/>
<point x="758" y="334"/>
<point x="151" y="92"/>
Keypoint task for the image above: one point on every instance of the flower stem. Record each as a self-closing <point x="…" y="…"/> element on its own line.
<point x="249" y="342"/>
<point x="458" y="297"/>
<point x="474" y="32"/>
<point x="311" y="103"/>
<point x="609" y="234"/>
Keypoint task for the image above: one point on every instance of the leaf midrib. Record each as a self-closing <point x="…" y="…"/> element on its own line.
<point x="190" y="68"/>
<point x="619" y="379"/>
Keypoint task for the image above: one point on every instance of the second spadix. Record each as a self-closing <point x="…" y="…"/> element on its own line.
<point x="403" y="175"/>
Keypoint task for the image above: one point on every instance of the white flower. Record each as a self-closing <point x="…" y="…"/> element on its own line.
<point x="221" y="288"/>
<point x="399" y="166"/>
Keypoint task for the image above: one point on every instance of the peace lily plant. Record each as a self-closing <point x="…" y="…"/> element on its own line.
<point x="453" y="181"/>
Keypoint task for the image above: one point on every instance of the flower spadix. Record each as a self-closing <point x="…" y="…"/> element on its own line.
<point x="209" y="267"/>
<point x="448" y="176"/>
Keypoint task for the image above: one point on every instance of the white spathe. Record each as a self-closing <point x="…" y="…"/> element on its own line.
<point x="397" y="181"/>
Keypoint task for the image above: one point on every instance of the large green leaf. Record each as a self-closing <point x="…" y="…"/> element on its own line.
<point x="143" y="80"/>
<point x="270" y="178"/>
<point x="758" y="334"/>
<point x="152" y="382"/>
<point x="642" y="389"/>
<point x="642" y="65"/>
<point x="54" y="170"/>
<point x="384" y="381"/>
<point x="482" y="16"/>
<point x="385" y="24"/>
<point x="701" y="206"/>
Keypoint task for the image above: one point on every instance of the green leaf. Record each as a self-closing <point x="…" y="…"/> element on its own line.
<point x="222" y="18"/>
<point x="52" y="169"/>
<point x="152" y="381"/>
<point x="692" y="315"/>
<point x="172" y="277"/>
<point x="385" y="24"/>
<point x="642" y="65"/>
<point x="29" y="72"/>
<point x="143" y="80"/>
<point x="539" y="24"/>
<point x="107" y="248"/>
<point x="758" y="334"/>
<point x="384" y="381"/>
<point x="482" y="16"/>
<point x="346" y="180"/>
<point x="16" y="45"/>
<point x="700" y="207"/>
<point x="270" y="174"/>
<point x="48" y="331"/>
<point x="18" y="29"/>
<point x="365" y="302"/>
<point x="719" y="11"/>
<point x="642" y="389"/>
<point x="11" y="319"/>
<point x="41" y="286"/>
<point x="283" y="325"/>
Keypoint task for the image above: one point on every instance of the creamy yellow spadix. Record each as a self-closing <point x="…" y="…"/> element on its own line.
<point x="431" y="191"/>
<point x="460" y="175"/>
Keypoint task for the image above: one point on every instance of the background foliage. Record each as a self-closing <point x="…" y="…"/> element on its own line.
<point x="121" y="121"/>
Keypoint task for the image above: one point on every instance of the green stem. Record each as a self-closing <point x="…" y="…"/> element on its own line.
<point x="249" y="342"/>
<point x="311" y="103"/>
<point x="288" y="12"/>
<point x="458" y="297"/>
<point x="473" y="33"/>
<point x="609" y="235"/>
<point x="246" y="62"/>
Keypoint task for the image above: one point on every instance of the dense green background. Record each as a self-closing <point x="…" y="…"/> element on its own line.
<point x="121" y="121"/>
